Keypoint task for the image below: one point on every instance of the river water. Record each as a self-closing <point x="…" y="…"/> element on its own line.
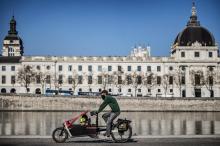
<point x="143" y="123"/>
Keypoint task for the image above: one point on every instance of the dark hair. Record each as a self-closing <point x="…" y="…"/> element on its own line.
<point x="104" y="91"/>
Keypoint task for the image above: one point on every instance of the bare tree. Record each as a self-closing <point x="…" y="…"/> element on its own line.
<point x="118" y="80"/>
<point x="25" y="76"/>
<point x="90" y="79"/>
<point x="41" y="77"/>
<point x="149" y="80"/>
<point x="210" y="79"/>
<point x="76" y="80"/>
<point x="60" y="81"/>
<point x="165" y="82"/>
<point x="197" y="79"/>
<point x="102" y="79"/>
<point x="179" y="78"/>
<point x="137" y="81"/>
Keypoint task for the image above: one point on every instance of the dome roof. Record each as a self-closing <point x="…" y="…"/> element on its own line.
<point x="194" y="33"/>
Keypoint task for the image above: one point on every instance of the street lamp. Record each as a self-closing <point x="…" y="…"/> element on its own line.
<point x="55" y="82"/>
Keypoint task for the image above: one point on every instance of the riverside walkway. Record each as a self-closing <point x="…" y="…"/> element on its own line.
<point x="166" y="141"/>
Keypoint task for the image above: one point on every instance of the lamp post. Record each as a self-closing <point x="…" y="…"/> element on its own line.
<point x="55" y="71"/>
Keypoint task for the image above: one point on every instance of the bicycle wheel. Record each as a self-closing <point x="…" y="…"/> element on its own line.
<point x="60" y="135"/>
<point x="121" y="136"/>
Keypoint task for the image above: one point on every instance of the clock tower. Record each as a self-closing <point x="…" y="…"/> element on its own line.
<point x="12" y="44"/>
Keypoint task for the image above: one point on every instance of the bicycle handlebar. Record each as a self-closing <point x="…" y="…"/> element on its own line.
<point x="92" y="113"/>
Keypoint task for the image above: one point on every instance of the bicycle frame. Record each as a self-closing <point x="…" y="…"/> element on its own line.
<point x="98" y="128"/>
<point x="78" y="130"/>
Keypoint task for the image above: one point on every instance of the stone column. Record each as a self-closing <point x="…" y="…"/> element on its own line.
<point x="190" y="128"/>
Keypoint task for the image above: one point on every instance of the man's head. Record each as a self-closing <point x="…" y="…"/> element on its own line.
<point x="104" y="93"/>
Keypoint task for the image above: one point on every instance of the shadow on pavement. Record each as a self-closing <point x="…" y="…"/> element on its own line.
<point x="99" y="141"/>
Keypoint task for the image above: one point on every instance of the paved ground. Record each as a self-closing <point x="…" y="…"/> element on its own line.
<point x="98" y="142"/>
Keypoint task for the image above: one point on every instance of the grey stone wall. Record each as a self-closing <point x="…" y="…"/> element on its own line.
<point x="80" y="103"/>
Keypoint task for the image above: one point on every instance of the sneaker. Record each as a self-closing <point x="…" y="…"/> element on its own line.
<point x="105" y="134"/>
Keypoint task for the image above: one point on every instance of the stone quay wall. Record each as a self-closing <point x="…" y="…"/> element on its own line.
<point x="82" y="103"/>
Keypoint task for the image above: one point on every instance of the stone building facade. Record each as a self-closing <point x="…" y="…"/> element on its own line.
<point x="191" y="70"/>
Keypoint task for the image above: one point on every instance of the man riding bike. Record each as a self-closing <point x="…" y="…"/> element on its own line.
<point x="109" y="116"/>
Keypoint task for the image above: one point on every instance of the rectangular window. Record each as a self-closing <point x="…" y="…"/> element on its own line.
<point x="149" y="68"/>
<point x="129" y="90"/>
<point x="149" y="90"/>
<point x="60" y="79"/>
<point x="100" y="68"/>
<point x="171" y="90"/>
<point x="99" y="79"/>
<point x="210" y="54"/>
<point x="90" y="68"/>
<point x="119" y="68"/>
<point x="158" y="80"/>
<point x="28" y="79"/>
<point x="3" y="79"/>
<point x="80" y="79"/>
<point x="158" y="68"/>
<point x="210" y="81"/>
<point x="129" y="80"/>
<point x="119" y="80"/>
<point x="149" y="80"/>
<point x="139" y="90"/>
<point x="197" y="79"/>
<point x="170" y="68"/>
<point x="60" y="67"/>
<point x="38" y="67"/>
<point x="211" y="68"/>
<point x="138" y="68"/>
<point x="12" y="79"/>
<point x="109" y="68"/>
<point x="3" y="68"/>
<point x="110" y="79"/>
<point x="48" y="79"/>
<point x="89" y="79"/>
<point x="79" y="67"/>
<point x="12" y="68"/>
<point x="70" y="79"/>
<point x="139" y="80"/>
<point x="171" y="80"/>
<point x="38" y="81"/>
<point x="158" y="90"/>
<point x="182" y="54"/>
<point x="183" y="81"/>
<point x="129" y="68"/>
<point x="70" y="68"/>
<point x="196" y="54"/>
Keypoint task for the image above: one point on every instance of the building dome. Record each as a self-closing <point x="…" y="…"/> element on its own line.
<point x="194" y="33"/>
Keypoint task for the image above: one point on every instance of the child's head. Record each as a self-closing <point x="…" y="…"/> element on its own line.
<point x="84" y="120"/>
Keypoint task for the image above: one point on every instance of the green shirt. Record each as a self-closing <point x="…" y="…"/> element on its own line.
<point x="112" y="102"/>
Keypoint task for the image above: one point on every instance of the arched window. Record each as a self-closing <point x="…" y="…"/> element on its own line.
<point x="183" y="93"/>
<point x="13" y="90"/>
<point x="11" y="52"/>
<point x="3" y="90"/>
<point x="37" y="91"/>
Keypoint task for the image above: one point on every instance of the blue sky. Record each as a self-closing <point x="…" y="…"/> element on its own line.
<point x="103" y="27"/>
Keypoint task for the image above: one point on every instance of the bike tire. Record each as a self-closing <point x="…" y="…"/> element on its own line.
<point x="58" y="136"/>
<point x="118" y="140"/>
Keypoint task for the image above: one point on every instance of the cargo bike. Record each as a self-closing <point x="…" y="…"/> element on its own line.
<point x="121" y="130"/>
